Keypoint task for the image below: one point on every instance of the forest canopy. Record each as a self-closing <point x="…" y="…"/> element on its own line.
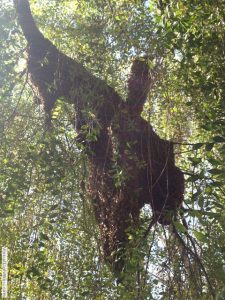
<point x="113" y="188"/>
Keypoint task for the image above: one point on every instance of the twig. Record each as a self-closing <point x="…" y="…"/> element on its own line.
<point x="153" y="221"/>
<point x="194" y="255"/>
<point x="20" y="96"/>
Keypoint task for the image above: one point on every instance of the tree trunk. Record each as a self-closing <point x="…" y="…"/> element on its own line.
<point x="130" y="166"/>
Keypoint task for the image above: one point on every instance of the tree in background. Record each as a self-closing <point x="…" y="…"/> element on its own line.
<point x="46" y="211"/>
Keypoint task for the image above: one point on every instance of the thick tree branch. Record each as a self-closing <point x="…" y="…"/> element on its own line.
<point x="139" y="85"/>
<point x="30" y="30"/>
<point x="56" y="75"/>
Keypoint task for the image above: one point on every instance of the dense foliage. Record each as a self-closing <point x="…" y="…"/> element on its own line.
<point x="46" y="219"/>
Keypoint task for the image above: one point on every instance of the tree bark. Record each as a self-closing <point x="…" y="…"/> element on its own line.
<point x="129" y="164"/>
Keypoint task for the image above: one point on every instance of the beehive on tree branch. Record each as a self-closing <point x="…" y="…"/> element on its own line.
<point x="124" y="140"/>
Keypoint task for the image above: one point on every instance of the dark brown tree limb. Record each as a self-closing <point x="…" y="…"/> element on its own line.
<point x="56" y="75"/>
<point x="30" y="30"/>
<point x="139" y="85"/>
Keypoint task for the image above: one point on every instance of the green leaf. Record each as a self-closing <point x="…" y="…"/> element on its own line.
<point x="194" y="177"/>
<point x="200" y="236"/>
<point x="34" y="271"/>
<point x="216" y="171"/>
<point x="53" y="215"/>
<point x="220" y="274"/>
<point x="209" y="146"/>
<point x="207" y="127"/>
<point x="130" y="237"/>
<point x="9" y="211"/>
<point x="195" y="213"/>
<point x="155" y="281"/>
<point x="195" y="160"/>
<point x="221" y="294"/>
<point x="216" y="183"/>
<point x="180" y="227"/>
<point x="44" y="236"/>
<point x="85" y="293"/>
<point x="197" y="146"/>
<point x="53" y="207"/>
<point x="190" y="103"/>
<point x="219" y="139"/>
<point x="213" y="215"/>
<point x="214" y="161"/>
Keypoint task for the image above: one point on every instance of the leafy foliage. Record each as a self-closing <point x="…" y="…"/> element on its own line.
<point x="46" y="219"/>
